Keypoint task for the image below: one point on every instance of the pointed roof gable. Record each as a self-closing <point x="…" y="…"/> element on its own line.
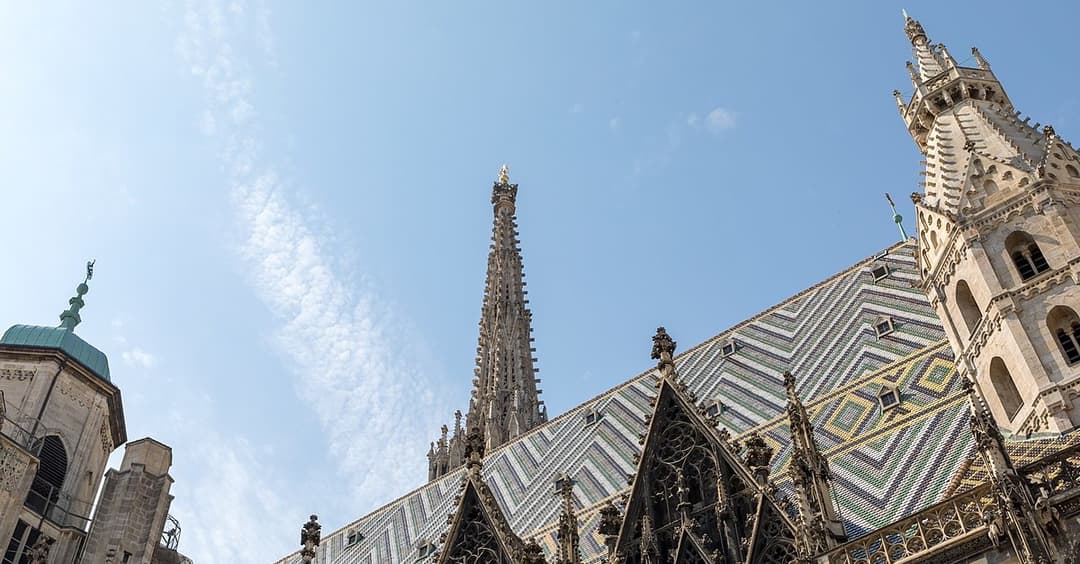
<point x="689" y="478"/>
<point x="478" y="529"/>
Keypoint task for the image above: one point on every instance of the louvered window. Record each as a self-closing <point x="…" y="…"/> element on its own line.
<point x="49" y="479"/>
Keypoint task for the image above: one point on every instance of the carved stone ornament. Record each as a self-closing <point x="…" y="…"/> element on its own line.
<point x="692" y="498"/>
<point x="310" y="536"/>
<point x="12" y="468"/>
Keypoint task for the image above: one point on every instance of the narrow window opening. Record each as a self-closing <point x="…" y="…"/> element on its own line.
<point x="1064" y="323"/>
<point x="592" y="416"/>
<point x="1005" y="387"/>
<point x="969" y="308"/>
<point x="49" y="479"/>
<point x="1026" y="255"/>
<point x="880" y="272"/>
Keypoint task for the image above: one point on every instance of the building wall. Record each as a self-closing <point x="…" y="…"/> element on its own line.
<point x="45" y="393"/>
<point x="133" y="506"/>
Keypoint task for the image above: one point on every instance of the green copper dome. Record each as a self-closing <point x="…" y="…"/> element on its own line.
<point x="58" y="338"/>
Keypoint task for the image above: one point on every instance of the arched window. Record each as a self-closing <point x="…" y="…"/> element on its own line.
<point x="969" y="308"/>
<point x="1005" y="387"/>
<point x="1026" y="255"/>
<point x="1065" y="325"/>
<point x="45" y="490"/>
<point x="990" y="187"/>
<point x="1072" y="171"/>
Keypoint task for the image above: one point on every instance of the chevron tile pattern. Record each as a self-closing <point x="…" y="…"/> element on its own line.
<point x="886" y="464"/>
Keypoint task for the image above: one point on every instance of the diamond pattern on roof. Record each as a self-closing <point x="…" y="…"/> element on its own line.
<point x="824" y="335"/>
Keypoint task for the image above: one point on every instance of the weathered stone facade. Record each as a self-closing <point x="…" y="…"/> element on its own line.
<point x="60" y="419"/>
<point x="133" y="506"/>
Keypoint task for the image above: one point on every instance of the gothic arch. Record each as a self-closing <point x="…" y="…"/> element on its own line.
<point x="1005" y="387"/>
<point x="1026" y="255"/>
<point x="51" y="473"/>
<point x="969" y="308"/>
<point x="1064" y="325"/>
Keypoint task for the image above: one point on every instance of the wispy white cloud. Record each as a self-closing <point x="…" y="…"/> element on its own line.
<point x="138" y="358"/>
<point x="720" y="119"/>
<point x="348" y="351"/>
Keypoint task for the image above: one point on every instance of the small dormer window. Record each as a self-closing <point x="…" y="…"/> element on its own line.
<point x="592" y="416"/>
<point x="883" y="326"/>
<point x="888" y="397"/>
<point x="880" y="272"/>
<point x="714" y="408"/>
<point x="425" y="548"/>
<point x="728" y="348"/>
<point x="355" y="537"/>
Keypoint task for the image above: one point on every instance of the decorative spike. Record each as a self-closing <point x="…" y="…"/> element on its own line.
<point x="979" y="59"/>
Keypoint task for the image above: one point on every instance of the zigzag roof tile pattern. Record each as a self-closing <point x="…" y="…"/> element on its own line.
<point x="885" y="464"/>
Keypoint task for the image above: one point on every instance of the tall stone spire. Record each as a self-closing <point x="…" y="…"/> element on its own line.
<point x="505" y="400"/>
<point x="569" y="549"/>
<point x="818" y="526"/>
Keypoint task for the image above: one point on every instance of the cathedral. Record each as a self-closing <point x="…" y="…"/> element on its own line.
<point x="61" y="416"/>
<point x="919" y="406"/>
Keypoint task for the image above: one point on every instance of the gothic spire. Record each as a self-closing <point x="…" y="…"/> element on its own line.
<point x="505" y="400"/>
<point x="819" y="526"/>
<point x="569" y="544"/>
<point x="930" y="63"/>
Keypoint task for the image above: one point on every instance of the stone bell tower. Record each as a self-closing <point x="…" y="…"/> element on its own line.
<point x="999" y="239"/>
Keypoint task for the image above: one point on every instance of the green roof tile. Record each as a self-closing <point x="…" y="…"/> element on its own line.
<point x="58" y="338"/>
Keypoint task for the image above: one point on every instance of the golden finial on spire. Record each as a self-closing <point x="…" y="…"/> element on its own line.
<point x="504" y="175"/>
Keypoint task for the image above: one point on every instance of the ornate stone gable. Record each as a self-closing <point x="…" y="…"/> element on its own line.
<point x="479" y="532"/>
<point x="690" y="480"/>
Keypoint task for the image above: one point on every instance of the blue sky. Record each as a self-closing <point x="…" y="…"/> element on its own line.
<point x="289" y="205"/>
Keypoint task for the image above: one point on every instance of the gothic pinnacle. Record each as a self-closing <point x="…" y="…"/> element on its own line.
<point x="662" y="350"/>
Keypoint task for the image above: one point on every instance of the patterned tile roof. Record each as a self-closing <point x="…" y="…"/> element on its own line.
<point x="886" y="464"/>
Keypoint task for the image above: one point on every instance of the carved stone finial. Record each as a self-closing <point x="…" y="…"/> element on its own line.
<point x="979" y="59"/>
<point x="310" y="536"/>
<point x="610" y="522"/>
<point x="913" y="28"/>
<point x="758" y="456"/>
<point x="1048" y="131"/>
<point x="916" y="198"/>
<point x="532" y="553"/>
<point x="662" y="350"/>
<point x="789" y="383"/>
<point x="662" y="343"/>
<point x="474" y="449"/>
<point x="504" y="175"/>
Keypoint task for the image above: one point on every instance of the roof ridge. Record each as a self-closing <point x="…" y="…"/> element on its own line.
<point x="637" y="378"/>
